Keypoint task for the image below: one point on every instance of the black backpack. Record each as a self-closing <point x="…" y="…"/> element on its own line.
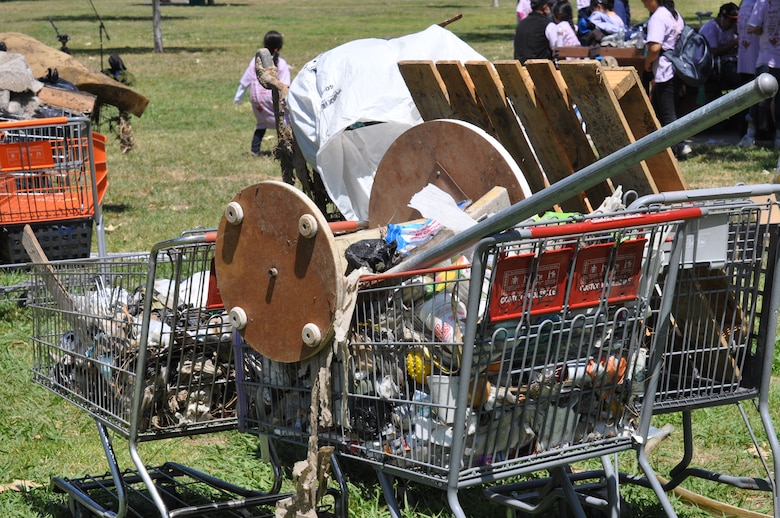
<point x="691" y="58"/>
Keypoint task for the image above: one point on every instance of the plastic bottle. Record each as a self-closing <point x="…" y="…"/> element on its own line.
<point x="640" y="38"/>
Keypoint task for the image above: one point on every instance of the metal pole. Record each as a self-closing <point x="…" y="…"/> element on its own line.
<point x="762" y="87"/>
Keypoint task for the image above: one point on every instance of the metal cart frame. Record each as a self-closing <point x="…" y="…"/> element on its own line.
<point x="399" y="347"/>
<point x="721" y="349"/>
<point x="142" y="343"/>
<point x="264" y="393"/>
<point x="53" y="177"/>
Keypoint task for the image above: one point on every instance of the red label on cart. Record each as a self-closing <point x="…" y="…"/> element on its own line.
<point x="605" y="267"/>
<point x="25" y="156"/>
<point x="530" y="282"/>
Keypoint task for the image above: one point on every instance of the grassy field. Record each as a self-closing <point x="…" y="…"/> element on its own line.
<point x="192" y="157"/>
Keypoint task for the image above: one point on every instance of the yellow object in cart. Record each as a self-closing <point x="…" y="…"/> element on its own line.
<point x="417" y="367"/>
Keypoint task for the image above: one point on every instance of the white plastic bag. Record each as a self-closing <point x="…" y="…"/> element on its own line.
<point x="350" y="103"/>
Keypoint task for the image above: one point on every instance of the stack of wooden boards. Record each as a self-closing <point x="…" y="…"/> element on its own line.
<point x="552" y="121"/>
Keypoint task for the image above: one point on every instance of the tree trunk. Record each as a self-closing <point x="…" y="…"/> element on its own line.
<point x="156" y="22"/>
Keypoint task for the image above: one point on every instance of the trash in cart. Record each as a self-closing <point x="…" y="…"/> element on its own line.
<point x="96" y="354"/>
<point x="142" y="343"/>
<point x="558" y="368"/>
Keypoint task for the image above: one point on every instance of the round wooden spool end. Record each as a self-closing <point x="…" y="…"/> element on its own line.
<point x="458" y="157"/>
<point x="280" y="287"/>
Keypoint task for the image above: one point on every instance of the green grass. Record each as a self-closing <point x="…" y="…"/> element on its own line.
<point x="192" y="158"/>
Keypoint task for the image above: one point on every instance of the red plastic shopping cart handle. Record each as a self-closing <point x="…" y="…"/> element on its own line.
<point x="49" y="121"/>
<point x="614" y="223"/>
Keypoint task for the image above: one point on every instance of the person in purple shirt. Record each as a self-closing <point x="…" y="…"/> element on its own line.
<point x="747" y="51"/>
<point x="663" y="30"/>
<point x="765" y="21"/>
<point x="261" y="98"/>
<point x="747" y="54"/>
<point x="721" y="34"/>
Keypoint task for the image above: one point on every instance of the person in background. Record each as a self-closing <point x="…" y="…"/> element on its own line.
<point x="530" y="34"/>
<point x="747" y="54"/>
<point x="721" y="33"/>
<point x="561" y="32"/>
<point x="663" y="30"/>
<point x="583" y="10"/>
<point x="261" y="98"/>
<point x="765" y="21"/>
<point x="586" y="31"/>
<point x="623" y="10"/>
<point x="604" y="18"/>
<point x="523" y="9"/>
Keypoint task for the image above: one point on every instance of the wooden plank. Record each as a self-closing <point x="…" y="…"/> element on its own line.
<point x="428" y="90"/>
<point x="81" y="102"/>
<point x="572" y="52"/>
<point x="508" y="129"/>
<point x="462" y="95"/>
<point x="641" y="118"/>
<point x="620" y="79"/>
<point x="553" y="98"/>
<point x="607" y="126"/>
<point x="549" y="149"/>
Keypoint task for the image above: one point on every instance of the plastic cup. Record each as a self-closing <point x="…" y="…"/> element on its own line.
<point x="444" y="390"/>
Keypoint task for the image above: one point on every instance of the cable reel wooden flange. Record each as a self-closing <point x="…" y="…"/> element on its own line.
<point x="279" y="272"/>
<point x="459" y="158"/>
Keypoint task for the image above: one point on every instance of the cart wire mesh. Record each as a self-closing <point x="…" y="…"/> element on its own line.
<point x="47" y="170"/>
<point x="719" y="342"/>
<point x="139" y="341"/>
<point x="533" y="357"/>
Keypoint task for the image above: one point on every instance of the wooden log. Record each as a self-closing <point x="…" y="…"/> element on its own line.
<point x="81" y="102"/>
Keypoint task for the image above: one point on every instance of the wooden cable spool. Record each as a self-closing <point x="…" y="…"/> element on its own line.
<point x="459" y="158"/>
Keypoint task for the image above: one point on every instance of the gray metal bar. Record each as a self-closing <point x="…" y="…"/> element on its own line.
<point x="762" y="87"/>
<point x="720" y="193"/>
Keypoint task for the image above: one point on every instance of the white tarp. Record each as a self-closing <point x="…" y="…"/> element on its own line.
<point x="337" y="98"/>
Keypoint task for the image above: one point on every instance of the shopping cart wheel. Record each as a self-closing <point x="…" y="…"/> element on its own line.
<point x="459" y="158"/>
<point x="279" y="271"/>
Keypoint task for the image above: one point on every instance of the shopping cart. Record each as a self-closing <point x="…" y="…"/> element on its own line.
<point x="719" y="347"/>
<point x="142" y="343"/>
<point x="53" y="177"/>
<point x="507" y="391"/>
<point x="557" y="315"/>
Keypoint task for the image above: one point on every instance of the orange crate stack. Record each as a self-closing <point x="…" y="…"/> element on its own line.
<point x="53" y="177"/>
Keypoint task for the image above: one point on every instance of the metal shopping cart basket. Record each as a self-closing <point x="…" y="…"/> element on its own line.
<point x="142" y="343"/>
<point x="53" y="177"/>
<point x="531" y="359"/>
<point x="412" y="400"/>
<point x="720" y="342"/>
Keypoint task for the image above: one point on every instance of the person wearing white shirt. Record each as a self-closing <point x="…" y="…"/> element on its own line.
<point x="663" y="30"/>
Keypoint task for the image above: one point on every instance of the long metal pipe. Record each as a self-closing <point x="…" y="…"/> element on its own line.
<point x="762" y="87"/>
